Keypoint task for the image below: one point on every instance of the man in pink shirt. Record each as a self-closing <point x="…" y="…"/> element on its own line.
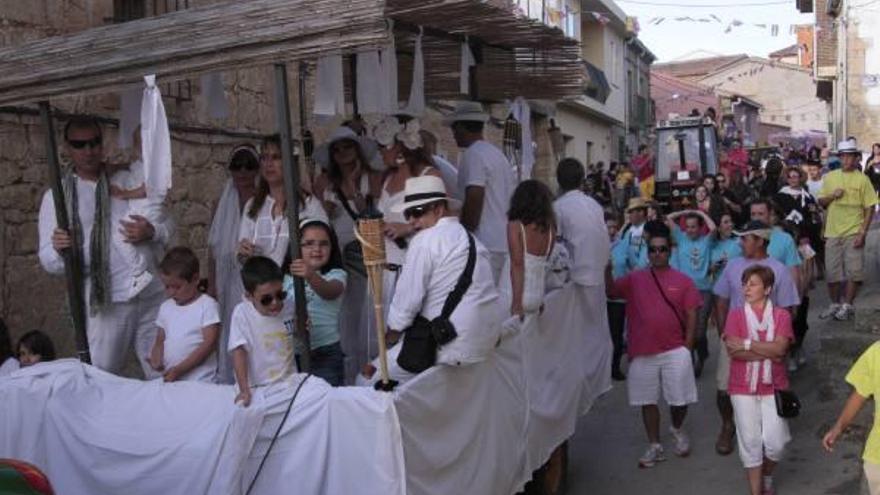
<point x="661" y="315"/>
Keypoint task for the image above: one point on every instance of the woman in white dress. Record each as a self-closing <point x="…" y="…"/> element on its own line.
<point x="264" y="229"/>
<point x="224" y="281"/>
<point x="531" y="229"/>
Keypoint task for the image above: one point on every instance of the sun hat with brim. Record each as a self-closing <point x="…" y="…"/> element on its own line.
<point x="423" y="190"/>
<point x="368" y="147"/>
<point x="467" y="111"/>
<point x="848" y="146"/>
<point x="755" y="228"/>
<point x="635" y="204"/>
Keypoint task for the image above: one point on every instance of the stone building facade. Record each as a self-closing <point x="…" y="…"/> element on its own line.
<point x="32" y="299"/>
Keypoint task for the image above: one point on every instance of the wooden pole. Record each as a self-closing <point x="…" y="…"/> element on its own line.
<point x="291" y="192"/>
<point x="305" y="135"/>
<point x="73" y="264"/>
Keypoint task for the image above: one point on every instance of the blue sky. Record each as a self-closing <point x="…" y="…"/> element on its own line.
<point x="672" y="39"/>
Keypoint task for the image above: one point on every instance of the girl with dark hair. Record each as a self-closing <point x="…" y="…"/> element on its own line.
<point x="8" y="363"/>
<point x="264" y="230"/>
<point x="224" y="280"/>
<point x="35" y="347"/>
<point x="872" y="166"/>
<point x="531" y="230"/>
<point x="321" y="269"/>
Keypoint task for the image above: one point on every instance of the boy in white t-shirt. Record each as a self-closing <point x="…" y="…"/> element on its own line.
<point x="189" y="322"/>
<point x="130" y="184"/>
<point x="261" y="331"/>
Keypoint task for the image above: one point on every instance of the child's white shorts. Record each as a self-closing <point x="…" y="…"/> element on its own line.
<point x="760" y="432"/>
<point x="671" y="370"/>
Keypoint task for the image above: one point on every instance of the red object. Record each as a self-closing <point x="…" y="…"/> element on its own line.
<point x="643" y="166"/>
<point x="22" y="478"/>
<point x="736" y="326"/>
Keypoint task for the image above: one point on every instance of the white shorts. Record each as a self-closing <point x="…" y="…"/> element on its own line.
<point x="760" y="432"/>
<point x="722" y="372"/>
<point x="673" y="369"/>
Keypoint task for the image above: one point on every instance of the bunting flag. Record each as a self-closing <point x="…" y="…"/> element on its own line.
<point x="601" y="18"/>
<point x="713" y="16"/>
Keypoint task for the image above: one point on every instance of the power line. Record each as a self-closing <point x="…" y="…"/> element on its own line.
<point x="713" y="6"/>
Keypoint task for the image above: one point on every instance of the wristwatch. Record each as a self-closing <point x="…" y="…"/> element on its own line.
<point x="747" y="344"/>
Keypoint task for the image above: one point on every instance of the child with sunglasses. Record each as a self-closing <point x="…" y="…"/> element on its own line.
<point x="321" y="269"/>
<point x="261" y="331"/>
<point x="145" y="201"/>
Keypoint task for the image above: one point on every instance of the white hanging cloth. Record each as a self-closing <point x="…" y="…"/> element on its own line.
<point x="523" y="114"/>
<point x="467" y="61"/>
<point x="371" y="91"/>
<point x="330" y="87"/>
<point x="389" y="74"/>
<point x="214" y="97"/>
<point x="129" y="116"/>
<point x="416" y="105"/>
<point x="155" y="141"/>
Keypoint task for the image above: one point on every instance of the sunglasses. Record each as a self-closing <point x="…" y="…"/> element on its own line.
<point x="415" y="212"/>
<point x="316" y="244"/>
<point x="245" y="164"/>
<point x="280" y="296"/>
<point x="79" y="144"/>
<point x="658" y="249"/>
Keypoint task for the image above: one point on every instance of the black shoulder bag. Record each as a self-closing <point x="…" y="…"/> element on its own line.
<point x="421" y="340"/>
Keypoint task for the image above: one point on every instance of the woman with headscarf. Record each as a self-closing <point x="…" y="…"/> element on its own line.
<point x="224" y="281"/>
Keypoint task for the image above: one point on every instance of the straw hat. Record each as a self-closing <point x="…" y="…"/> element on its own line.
<point x="368" y="147"/>
<point x="848" y="146"/>
<point x="467" y="111"/>
<point x="423" y="190"/>
<point x="636" y="203"/>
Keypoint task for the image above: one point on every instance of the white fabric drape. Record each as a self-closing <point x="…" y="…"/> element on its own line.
<point x="467" y="61"/>
<point x="523" y="114"/>
<point x="129" y="116"/>
<point x="388" y="63"/>
<point x="329" y="87"/>
<point x="762" y="369"/>
<point x="155" y="140"/>
<point x="371" y="91"/>
<point x="214" y="96"/>
<point x="416" y="105"/>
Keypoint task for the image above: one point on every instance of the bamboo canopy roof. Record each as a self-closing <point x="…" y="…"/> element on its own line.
<point x="519" y="56"/>
<point x="217" y="37"/>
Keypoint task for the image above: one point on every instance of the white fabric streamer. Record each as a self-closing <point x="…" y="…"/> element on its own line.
<point x="371" y="92"/>
<point x="467" y="61"/>
<point x="389" y="73"/>
<point x="763" y="367"/>
<point x="523" y="114"/>
<point x="214" y="96"/>
<point x="416" y="105"/>
<point x="330" y="88"/>
<point x="155" y="141"/>
<point x="129" y="116"/>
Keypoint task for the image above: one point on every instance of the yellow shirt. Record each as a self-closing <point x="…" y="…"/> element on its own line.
<point x="846" y="215"/>
<point x="864" y="376"/>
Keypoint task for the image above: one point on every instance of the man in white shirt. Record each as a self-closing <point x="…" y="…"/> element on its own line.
<point x="580" y="223"/>
<point x="814" y="178"/>
<point x="436" y="258"/>
<point x="486" y="180"/>
<point x="114" y="319"/>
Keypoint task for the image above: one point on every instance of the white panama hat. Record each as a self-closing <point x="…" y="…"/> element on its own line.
<point x="368" y="147"/>
<point x="848" y="146"/>
<point x="423" y="190"/>
<point x="467" y="111"/>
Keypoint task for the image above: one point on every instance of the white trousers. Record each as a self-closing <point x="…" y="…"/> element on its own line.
<point x="760" y="432"/>
<point x="121" y="325"/>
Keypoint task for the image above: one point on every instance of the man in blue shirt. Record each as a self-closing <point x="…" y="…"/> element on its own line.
<point x="631" y="252"/>
<point x="692" y="256"/>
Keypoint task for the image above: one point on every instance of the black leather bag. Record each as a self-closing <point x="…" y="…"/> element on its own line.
<point x="418" y="351"/>
<point x="787" y="404"/>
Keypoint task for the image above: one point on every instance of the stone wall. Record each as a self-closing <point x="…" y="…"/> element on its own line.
<point x="863" y="95"/>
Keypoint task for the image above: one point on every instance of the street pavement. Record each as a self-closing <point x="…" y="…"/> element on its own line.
<point x="604" y="452"/>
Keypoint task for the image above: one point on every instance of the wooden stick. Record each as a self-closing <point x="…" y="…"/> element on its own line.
<point x="374" y="274"/>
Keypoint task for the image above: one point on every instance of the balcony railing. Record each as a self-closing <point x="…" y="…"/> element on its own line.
<point x="554" y="13"/>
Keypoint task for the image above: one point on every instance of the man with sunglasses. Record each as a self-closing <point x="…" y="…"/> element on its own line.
<point x="436" y="259"/>
<point x="114" y="317"/>
<point x="661" y="314"/>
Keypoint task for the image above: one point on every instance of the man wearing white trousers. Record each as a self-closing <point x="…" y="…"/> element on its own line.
<point x="116" y="320"/>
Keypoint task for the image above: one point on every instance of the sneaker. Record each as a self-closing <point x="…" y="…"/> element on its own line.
<point x="830" y="311"/>
<point x="844" y="313"/>
<point x="767" y="486"/>
<point x="682" y="442"/>
<point x="139" y="283"/>
<point x="652" y="456"/>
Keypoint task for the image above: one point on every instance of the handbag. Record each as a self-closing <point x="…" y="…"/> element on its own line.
<point x="352" y="253"/>
<point x="422" y="339"/>
<point x="787" y="403"/>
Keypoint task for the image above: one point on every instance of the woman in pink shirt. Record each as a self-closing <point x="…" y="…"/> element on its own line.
<point x="757" y="337"/>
